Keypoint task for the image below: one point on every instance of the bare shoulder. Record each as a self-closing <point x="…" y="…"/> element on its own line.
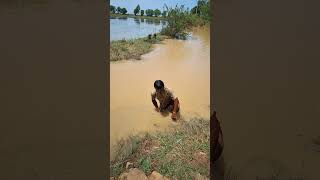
<point x="170" y="91"/>
<point x="153" y="93"/>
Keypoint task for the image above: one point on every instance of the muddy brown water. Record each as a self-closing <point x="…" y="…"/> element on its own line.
<point x="183" y="65"/>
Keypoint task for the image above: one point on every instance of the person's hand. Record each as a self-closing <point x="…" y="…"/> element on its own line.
<point x="174" y="116"/>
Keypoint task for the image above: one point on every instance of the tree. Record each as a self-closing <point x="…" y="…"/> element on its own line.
<point x="136" y="10"/>
<point x="149" y="12"/>
<point x="164" y="13"/>
<point x="195" y="10"/>
<point x="124" y="11"/>
<point x="142" y="12"/>
<point x="157" y="12"/>
<point x="119" y="9"/>
<point x="112" y="9"/>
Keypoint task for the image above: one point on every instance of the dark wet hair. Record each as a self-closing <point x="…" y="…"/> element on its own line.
<point x="158" y="84"/>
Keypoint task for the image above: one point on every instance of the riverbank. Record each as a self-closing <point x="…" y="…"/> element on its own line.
<point x="180" y="152"/>
<point x="133" y="49"/>
<point x="133" y="16"/>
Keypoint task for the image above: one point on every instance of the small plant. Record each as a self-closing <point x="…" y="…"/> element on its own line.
<point x="145" y="164"/>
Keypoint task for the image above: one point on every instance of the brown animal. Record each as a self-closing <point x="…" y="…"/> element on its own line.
<point x="217" y="135"/>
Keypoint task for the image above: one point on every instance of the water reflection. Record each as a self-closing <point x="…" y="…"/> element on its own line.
<point x="130" y="28"/>
<point x="149" y="21"/>
<point x="157" y="21"/>
<point x="122" y="18"/>
<point x="137" y="20"/>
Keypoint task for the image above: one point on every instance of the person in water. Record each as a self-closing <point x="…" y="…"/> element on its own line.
<point x="168" y="101"/>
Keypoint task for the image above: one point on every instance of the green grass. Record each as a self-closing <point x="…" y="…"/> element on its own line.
<point x="132" y="49"/>
<point x="137" y="16"/>
<point x="173" y="153"/>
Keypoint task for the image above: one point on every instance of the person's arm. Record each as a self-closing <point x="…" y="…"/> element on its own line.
<point x="175" y="108"/>
<point x="155" y="103"/>
<point x="175" y="105"/>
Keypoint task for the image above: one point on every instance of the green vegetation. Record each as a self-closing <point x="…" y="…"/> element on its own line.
<point x="178" y="153"/>
<point x="180" y="20"/>
<point x="136" y="10"/>
<point x="112" y="9"/>
<point x="177" y="22"/>
<point x="164" y="13"/>
<point x="157" y="12"/>
<point x="202" y="9"/>
<point x="118" y="10"/>
<point x="124" y="11"/>
<point x="149" y="12"/>
<point x="132" y="49"/>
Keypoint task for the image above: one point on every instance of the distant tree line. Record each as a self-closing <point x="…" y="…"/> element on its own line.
<point x="202" y="9"/>
<point x="138" y="11"/>
<point x="118" y="10"/>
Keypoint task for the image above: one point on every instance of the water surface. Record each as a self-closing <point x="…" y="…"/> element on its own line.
<point x="130" y="28"/>
<point x="183" y="65"/>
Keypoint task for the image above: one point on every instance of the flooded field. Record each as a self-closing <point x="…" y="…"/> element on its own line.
<point x="183" y="65"/>
<point x="130" y="28"/>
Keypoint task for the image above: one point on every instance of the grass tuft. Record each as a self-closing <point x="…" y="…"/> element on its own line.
<point x="180" y="152"/>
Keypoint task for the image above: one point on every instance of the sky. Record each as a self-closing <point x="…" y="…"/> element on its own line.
<point x="130" y="5"/>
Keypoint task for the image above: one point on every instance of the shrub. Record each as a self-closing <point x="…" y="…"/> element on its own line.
<point x="178" y="22"/>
